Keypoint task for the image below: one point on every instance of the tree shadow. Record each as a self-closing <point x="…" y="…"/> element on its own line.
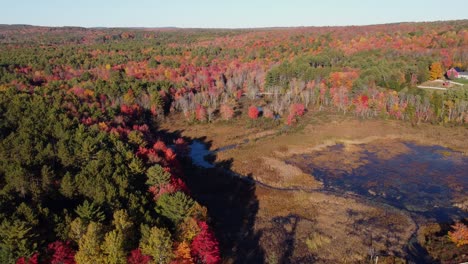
<point x="231" y="202"/>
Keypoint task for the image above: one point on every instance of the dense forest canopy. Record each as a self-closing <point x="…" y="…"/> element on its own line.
<point x="86" y="176"/>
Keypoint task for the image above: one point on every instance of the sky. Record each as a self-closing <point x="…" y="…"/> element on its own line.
<point x="225" y="14"/>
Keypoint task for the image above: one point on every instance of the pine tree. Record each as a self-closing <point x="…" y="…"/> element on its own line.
<point x="113" y="248"/>
<point x="67" y="186"/>
<point x="158" y="245"/>
<point x="157" y="176"/>
<point x="90" y="246"/>
<point x="15" y="241"/>
<point x="174" y="206"/>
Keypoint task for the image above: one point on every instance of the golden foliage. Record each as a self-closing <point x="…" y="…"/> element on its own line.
<point x="436" y="71"/>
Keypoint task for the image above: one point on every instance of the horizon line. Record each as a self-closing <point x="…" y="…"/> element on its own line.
<point x="230" y="28"/>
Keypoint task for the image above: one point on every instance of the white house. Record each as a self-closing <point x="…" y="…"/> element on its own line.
<point x="463" y="75"/>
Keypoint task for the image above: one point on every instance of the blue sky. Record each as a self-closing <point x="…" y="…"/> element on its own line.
<point x="225" y="14"/>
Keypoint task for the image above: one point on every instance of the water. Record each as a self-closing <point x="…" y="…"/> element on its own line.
<point x="423" y="179"/>
<point x="198" y="152"/>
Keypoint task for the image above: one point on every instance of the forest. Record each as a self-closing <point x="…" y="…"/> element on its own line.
<point x="87" y="175"/>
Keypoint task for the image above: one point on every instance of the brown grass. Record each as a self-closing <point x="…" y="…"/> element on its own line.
<point x="333" y="229"/>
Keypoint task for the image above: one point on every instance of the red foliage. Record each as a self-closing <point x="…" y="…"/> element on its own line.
<point x="87" y="121"/>
<point x="143" y="128"/>
<point x="61" y="253"/>
<point x="297" y="109"/>
<point x="291" y="119"/>
<point x="226" y="111"/>
<point x="160" y="146"/>
<point x="200" y="113"/>
<point x="125" y="109"/>
<point x="158" y="191"/>
<point x="170" y="155"/>
<point x="204" y="246"/>
<point x="32" y="260"/>
<point x="78" y="91"/>
<point x="179" y="185"/>
<point x="362" y="100"/>
<point x="136" y="257"/>
<point x="239" y="94"/>
<point x="154" y="110"/>
<point x="253" y="112"/>
<point x="446" y="58"/>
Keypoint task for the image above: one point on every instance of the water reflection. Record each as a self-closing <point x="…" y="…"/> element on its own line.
<point x="423" y="179"/>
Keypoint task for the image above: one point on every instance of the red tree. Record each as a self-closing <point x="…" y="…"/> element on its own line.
<point x="297" y="109"/>
<point x="61" y="253"/>
<point x="200" y="113"/>
<point x="32" y="260"/>
<point x="226" y="112"/>
<point x="204" y="246"/>
<point x="136" y="257"/>
<point x="253" y="112"/>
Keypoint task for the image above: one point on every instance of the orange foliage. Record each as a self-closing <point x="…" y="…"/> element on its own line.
<point x="182" y="254"/>
<point x="459" y="235"/>
<point x="436" y="71"/>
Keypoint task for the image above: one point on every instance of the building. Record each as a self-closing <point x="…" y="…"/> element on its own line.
<point x="463" y="75"/>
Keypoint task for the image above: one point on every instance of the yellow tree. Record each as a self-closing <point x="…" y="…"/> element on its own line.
<point x="436" y="71"/>
<point x="89" y="246"/>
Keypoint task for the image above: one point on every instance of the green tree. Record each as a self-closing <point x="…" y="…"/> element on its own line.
<point x="16" y="240"/>
<point x="158" y="244"/>
<point x="67" y="186"/>
<point x="90" y="246"/>
<point x="174" y="206"/>
<point x="90" y="212"/>
<point x="157" y="176"/>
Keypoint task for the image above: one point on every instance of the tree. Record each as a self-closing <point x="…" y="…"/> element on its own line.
<point x="200" y="113"/>
<point x="459" y="235"/>
<point x="31" y="260"/>
<point x="188" y="229"/>
<point x="90" y="245"/>
<point x="204" y="246"/>
<point x="174" y="206"/>
<point x="113" y="248"/>
<point x="253" y="112"/>
<point x="16" y="240"/>
<point x="136" y="257"/>
<point x="90" y="212"/>
<point x="61" y="253"/>
<point x="182" y="254"/>
<point x="158" y="245"/>
<point x="226" y="111"/>
<point x="67" y="186"/>
<point x="436" y="71"/>
<point x="117" y="240"/>
<point x="157" y="176"/>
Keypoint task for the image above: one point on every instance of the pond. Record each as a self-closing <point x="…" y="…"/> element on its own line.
<point x="431" y="181"/>
<point x="198" y="152"/>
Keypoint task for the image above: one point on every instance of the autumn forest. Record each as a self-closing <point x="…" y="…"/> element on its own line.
<point x="97" y="131"/>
